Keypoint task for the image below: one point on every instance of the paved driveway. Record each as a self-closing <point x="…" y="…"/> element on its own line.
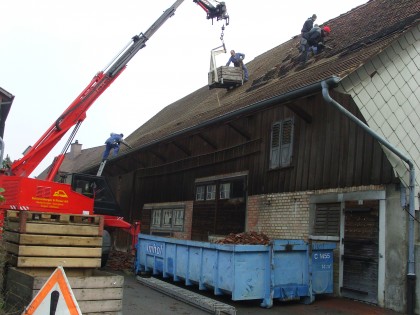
<point x="140" y="299"/>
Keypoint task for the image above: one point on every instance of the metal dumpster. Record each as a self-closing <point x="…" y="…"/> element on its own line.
<point x="284" y="270"/>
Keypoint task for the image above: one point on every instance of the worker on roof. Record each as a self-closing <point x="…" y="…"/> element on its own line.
<point x="237" y="60"/>
<point x="307" y="26"/>
<point x="113" y="142"/>
<point x="315" y="41"/>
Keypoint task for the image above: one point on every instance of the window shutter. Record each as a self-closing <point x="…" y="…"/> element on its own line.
<point x="286" y="144"/>
<point x="275" y="146"/>
<point x="327" y="220"/>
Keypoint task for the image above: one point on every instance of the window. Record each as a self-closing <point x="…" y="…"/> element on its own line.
<point x="211" y="192"/>
<point x="156" y="218"/>
<point x="232" y="188"/>
<point x="225" y="191"/>
<point x="199" y="193"/>
<point x="168" y="219"/>
<point x="281" y="143"/>
<point x="178" y="215"/>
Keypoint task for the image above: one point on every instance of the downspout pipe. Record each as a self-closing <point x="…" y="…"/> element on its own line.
<point x="411" y="274"/>
<point x="1" y="151"/>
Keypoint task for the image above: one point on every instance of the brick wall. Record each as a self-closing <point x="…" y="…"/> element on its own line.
<point x="279" y="215"/>
<point x="286" y="215"/>
<point x="186" y="234"/>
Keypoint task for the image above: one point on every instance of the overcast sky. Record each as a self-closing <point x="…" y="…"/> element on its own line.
<point x="52" y="49"/>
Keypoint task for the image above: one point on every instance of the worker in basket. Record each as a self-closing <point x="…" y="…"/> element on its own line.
<point x="237" y="60"/>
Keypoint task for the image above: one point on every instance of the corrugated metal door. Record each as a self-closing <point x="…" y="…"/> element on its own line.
<point x="361" y="251"/>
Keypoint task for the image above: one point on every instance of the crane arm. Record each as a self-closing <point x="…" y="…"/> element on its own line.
<point x="75" y="114"/>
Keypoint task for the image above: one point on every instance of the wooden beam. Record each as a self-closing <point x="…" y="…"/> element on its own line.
<point x="159" y="156"/>
<point x="243" y="133"/>
<point x="300" y="112"/>
<point x="207" y="140"/>
<point x="182" y="148"/>
<point x="136" y="160"/>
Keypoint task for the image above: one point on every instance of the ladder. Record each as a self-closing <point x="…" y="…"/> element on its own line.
<point x="101" y="168"/>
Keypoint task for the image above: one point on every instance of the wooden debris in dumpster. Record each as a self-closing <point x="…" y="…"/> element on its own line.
<point x="249" y="238"/>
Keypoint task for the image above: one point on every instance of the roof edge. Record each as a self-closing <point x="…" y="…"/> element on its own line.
<point x="331" y="82"/>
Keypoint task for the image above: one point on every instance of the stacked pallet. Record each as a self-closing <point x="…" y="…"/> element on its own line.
<point x="227" y="77"/>
<point x="43" y="239"/>
<point x="38" y="242"/>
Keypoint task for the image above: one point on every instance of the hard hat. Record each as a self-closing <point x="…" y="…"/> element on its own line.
<point x="121" y="135"/>
<point x="327" y="29"/>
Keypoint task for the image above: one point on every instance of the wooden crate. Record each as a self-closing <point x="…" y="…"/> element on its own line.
<point x="227" y="77"/>
<point x="40" y="239"/>
<point x="98" y="292"/>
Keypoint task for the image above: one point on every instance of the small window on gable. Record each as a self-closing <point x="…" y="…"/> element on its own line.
<point x="281" y="143"/>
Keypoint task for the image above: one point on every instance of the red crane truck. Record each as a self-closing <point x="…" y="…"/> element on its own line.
<point x="87" y="194"/>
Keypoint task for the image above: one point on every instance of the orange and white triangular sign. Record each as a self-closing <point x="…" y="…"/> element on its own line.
<point x="55" y="297"/>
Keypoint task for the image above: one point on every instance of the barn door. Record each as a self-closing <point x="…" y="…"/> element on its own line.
<point x="219" y="208"/>
<point x="361" y="251"/>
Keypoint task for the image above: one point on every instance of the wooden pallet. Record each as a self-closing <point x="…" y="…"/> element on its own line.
<point x="44" y="240"/>
<point x="98" y="293"/>
<point x="58" y="223"/>
<point x="228" y="77"/>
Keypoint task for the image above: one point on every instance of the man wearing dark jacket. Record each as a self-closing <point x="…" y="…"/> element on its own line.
<point x="307" y="26"/>
<point x="315" y="41"/>
<point x="309" y="23"/>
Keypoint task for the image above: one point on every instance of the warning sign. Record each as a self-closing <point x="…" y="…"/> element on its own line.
<point x="54" y="298"/>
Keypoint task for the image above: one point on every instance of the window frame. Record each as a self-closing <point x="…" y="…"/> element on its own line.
<point x="200" y="195"/>
<point x="212" y="192"/>
<point x="159" y="214"/>
<point x="223" y="191"/>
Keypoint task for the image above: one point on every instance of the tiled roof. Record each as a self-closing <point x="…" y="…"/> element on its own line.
<point x="356" y="36"/>
<point x="74" y="164"/>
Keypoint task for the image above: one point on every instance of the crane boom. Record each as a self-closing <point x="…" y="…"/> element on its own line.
<point x="75" y="114"/>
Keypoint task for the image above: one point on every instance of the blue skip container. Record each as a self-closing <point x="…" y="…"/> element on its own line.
<point x="284" y="270"/>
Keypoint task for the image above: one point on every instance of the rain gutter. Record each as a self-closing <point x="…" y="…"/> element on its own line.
<point x="411" y="274"/>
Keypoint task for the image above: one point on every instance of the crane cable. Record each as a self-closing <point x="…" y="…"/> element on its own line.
<point x="222" y="34"/>
<point x="221" y="38"/>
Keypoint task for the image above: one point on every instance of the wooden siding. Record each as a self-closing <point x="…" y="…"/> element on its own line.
<point x="329" y="151"/>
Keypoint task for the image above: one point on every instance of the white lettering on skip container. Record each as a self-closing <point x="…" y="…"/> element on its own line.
<point x="156" y="249"/>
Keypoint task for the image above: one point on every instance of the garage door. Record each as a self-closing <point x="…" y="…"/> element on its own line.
<point x="360" y="255"/>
